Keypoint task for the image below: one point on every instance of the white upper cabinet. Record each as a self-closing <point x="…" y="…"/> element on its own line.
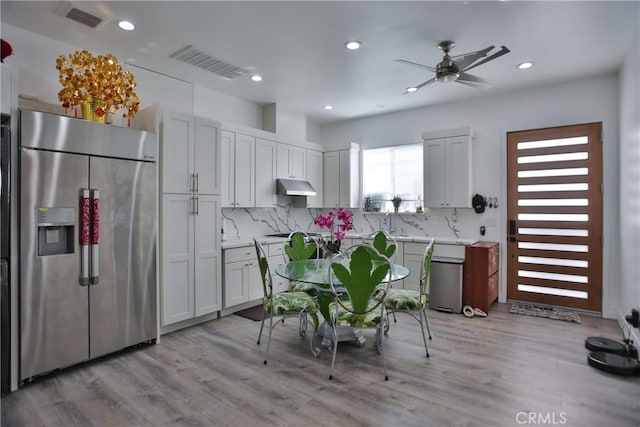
<point x="206" y="155"/>
<point x="190" y="149"/>
<point x="342" y="178"/>
<point x="448" y="169"/>
<point x="291" y="162"/>
<point x="265" y="173"/>
<point x="177" y="145"/>
<point x="238" y="169"/>
<point x="332" y="179"/>
<point x="314" y="176"/>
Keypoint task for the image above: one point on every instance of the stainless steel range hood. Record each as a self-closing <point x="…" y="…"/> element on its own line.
<point x="294" y="187"/>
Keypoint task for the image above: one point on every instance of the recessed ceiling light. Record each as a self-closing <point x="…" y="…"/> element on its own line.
<point x="412" y="89"/>
<point x="126" y="25"/>
<point x="328" y="107"/>
<point x="353" y="44"/>
<point x="525" y="65"/>
<point x="256" y="78"/>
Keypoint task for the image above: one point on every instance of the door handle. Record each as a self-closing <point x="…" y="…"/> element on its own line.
<point x="85" y="214"/>
<point x="95" y="237"/>
<point x="512" y="227"/>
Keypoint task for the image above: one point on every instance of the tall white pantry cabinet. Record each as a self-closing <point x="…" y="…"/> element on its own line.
<point x="190" y="217"/>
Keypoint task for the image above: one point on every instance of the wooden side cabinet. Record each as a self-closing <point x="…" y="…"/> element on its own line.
<point x="480" y="283"/>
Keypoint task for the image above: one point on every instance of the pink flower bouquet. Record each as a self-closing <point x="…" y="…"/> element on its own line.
<point x="338" y="221"/>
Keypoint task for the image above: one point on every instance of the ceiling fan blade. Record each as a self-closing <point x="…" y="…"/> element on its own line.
<point x="415" y="64"/>
<point x="421" y="85"/>
<point x="475" y="85"/>
<point x="465" y="77"/>
<point x="503" y="51"/>
<point x="466" y="59"/>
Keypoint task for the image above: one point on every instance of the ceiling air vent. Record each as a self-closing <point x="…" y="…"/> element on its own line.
<point x="207" y="62"/>
<point x="84" y="15"/>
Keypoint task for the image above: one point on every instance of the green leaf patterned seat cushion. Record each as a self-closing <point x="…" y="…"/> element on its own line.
<point x="404" y="299"/>
<point x="291" y="303"/>
<point x="371" y="319"/>
<point x="302" y="287"/>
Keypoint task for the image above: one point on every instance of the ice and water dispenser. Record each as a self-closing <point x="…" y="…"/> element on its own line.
<point x="56" y="231"/>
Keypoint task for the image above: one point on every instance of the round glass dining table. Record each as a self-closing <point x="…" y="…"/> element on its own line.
<point x="316" y="272"/>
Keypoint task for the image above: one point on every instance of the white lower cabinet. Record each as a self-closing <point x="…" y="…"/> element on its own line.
<point x="242" y="282"/>
<point x="413" y="258"/>
<point x="280" y="284"/>
<point x="241" y="276"/>
<point x="191" y="257"/>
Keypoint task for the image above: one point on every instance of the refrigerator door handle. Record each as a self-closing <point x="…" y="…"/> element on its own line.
<point x="95" y="237"/>
<point x="193" y="183"/>
<point x="85" y="215"/>
<point x="197" y="206"/>
<point x="197" y="182"/>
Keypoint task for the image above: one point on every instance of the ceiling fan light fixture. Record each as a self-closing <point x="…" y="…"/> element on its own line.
<point x="525" y="65"/>
<point x="353" y="44"/>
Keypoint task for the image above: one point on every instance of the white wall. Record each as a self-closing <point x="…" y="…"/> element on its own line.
<point x="589" y="100"/>
<point x="225" y="108"/>
<point x="629" y="232"/>
<point x="313" y="132"/>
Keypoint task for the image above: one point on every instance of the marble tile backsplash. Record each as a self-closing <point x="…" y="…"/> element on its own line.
<point x="243" y="223"/>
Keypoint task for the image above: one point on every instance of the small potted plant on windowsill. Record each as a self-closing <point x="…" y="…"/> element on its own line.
<point x="397" y="201"/>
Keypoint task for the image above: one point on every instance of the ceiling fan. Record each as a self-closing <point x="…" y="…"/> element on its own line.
<point x="454" y="69"/>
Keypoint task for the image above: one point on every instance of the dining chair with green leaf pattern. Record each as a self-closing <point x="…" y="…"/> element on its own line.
<point x="359" y="270"/>
<point x="295" y="248"/>
<point x="283" y="304"/>
<point x="412" y="302"/>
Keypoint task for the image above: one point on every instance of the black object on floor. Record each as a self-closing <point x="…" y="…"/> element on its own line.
<point x="253" y="313"/>
<point x="606" y="345"/>
<point x="614" y="363"/>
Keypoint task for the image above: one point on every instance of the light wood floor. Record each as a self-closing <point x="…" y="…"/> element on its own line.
<point x="482" y="372"/>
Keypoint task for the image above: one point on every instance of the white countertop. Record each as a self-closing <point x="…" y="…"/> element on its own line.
<point x="238" y="243"/>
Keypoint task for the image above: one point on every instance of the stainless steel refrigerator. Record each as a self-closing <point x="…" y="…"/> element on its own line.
<point x="88" y="201"/>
